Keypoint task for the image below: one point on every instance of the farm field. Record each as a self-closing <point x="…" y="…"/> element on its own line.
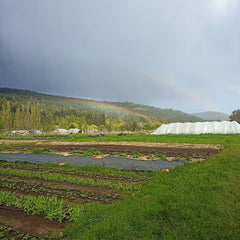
<point x="193" y="201"/>
<point x="131" y="145"/>
<point x="50" y="197"/>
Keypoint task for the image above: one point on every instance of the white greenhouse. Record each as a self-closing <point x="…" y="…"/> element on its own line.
<point x="224" y="127"/>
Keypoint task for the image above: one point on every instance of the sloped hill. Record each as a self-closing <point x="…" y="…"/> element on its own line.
<point x="81" y="107"/>
<point x="212" y="116"/>
<point x="168" y="115"/>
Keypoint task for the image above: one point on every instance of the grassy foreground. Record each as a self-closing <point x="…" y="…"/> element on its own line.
<point x="194" y="201"/>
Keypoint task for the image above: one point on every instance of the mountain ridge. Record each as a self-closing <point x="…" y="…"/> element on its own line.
<point x="25" y="109"/>
<point x="140" y="110"/>
<point x="213" y="116"/>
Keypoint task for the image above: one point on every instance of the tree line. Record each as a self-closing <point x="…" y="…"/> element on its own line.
<point x="29" y="114"/>
<point x="235" y="116"/>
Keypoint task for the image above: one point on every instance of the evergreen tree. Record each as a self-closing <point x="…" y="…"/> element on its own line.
<point x="235" y="116"/>
<point x="6" y="115"/>
<point x="17" y="119"/>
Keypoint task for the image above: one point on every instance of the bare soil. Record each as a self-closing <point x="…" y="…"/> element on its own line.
<point x="33" y="224"/>
<point x="196" y="151"/>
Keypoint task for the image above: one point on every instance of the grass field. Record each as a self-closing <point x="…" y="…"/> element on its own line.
<point x="171" y="138"/>
<point x="194" y="201"/>
<point x="205" y="138"/>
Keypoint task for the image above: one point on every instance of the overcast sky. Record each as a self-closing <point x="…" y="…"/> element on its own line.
<point x="179" y="54"/>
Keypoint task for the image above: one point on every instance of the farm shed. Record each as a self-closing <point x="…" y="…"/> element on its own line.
<point x="224" y="127"/>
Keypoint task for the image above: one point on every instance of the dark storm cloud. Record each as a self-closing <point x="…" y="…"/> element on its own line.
<point x="108" y="50"/>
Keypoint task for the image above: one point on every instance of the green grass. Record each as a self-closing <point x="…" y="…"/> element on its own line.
<point x="135" y="137"/>
<point x="194" y="201"/>
<point x="171" y="138"/>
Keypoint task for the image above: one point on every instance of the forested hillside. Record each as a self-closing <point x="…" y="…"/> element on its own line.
<point x="24" y="109"/>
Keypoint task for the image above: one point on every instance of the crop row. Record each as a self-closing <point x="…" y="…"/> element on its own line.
<point x="55" y="194"/>
<point x="29" y="166"/>
<point x="64" y="178"/>
<point x="78" y="174"/>
<point x="49" y="207"/>
<point x="61" y="193"/>
<point x="99" y="176"/>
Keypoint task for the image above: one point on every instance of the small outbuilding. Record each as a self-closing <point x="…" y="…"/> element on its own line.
<point x="223" y="127"/>
<point x="73" y="130"/>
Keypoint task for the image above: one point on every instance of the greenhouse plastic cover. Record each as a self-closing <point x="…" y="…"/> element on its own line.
<point x="224" y="127"/>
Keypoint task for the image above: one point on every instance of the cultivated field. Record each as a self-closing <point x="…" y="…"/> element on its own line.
<point x="59" y="193"/>
<point x="193" y="201"/>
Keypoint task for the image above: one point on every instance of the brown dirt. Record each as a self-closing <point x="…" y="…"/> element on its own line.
<point x="197" y="151"/>
<point x="142" y="144"/>
<point x="33" y="224"/>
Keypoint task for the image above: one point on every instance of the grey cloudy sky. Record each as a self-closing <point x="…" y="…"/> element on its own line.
<point x="179" y="54"/>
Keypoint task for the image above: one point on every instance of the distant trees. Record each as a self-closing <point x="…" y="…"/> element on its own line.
<point x="235" y="116"/>
<point x="149" y="125"/>
<point x="20" y="109"/>
<point x="6" y="115"/>
<point x="21" y="113"/>
<point x="20" y="116"/>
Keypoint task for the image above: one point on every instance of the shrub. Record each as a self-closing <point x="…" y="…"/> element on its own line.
<point x="161" y="156"/>
<point x="78" y="151"/>
<point x="92" y="151"/>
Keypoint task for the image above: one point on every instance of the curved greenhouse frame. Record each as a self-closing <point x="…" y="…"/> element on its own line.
<point x="224" y="127"/>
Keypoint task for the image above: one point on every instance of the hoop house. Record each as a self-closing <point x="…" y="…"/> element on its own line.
<point x="224" y="127"/>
